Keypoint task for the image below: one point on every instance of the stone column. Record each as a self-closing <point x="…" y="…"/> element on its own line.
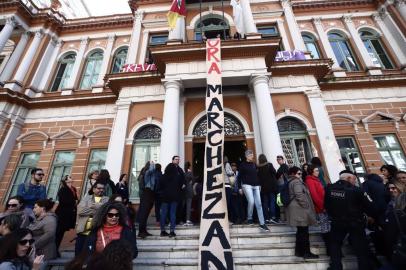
<point x="170" y="122"/>
<point x="284" y="36"/>
<point x="135" y="37"/>
<point x="390" y="35"/>
<point x="401" y="7"/>
<point x="270" y="139"/>
<point x="292" y="25"/>
<point x="14" y="131"/>
<point x="338" y="71"/>
<point x="248" y="19"/>
<point x="44" y="64"/>
<point x="178" y="33"/>
<point x="51" y="65"/>
<point x="106" y="58"/>
<point x="26" y="63"/>
<point x="182" y="130"/>
<point x="366" y="58"/>
<point x="325" y="133"/>
<point x="143" y="52"/>
<point x="255" y="124"/>
<point x="115" y="152"/>
<point x="15" y="57"/>
<point x="7" y="31"/>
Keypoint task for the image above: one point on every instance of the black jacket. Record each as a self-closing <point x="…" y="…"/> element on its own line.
<point x="346" y="204"/>
<point x="122" y="189"/>
<point x="376" y="190"/>
<point x="282" y="171"/>
<point x="126" y="234"/>
<point x="170" y="184"/>
<point x="391" y="230"/>
<point x="247" y="174"/>
<point x="66" y="210"/>
<point x="267" y="178"/>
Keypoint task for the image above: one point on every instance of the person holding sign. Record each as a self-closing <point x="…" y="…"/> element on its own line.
<point x="251" y="187"/>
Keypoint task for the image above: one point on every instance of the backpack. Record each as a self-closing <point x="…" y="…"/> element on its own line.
<point x="399" y="250"/>
<point x="284" y="195"/>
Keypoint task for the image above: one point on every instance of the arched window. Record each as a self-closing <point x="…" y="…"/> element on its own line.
<point x="212" y="26"/>
<point x="295" y="141"/>
<point x="119" y="60"/>
<point x="375" y="49"/>
<point x="342" y="51"/>
<point x="64" y="72"/>
<point x="311" y="45"/>
<point x="145" y="148"/>
<point x="92" y="70"/>
<point x="232" y="127"/>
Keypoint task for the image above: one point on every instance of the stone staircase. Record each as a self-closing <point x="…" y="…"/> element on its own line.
<point x="253" y="249"/>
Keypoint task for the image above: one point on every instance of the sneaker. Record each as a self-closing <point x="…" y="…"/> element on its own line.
<point x="189" y="223"/>
<point x="267" y="221"/>
<point x="148" y="234"/>
<point x="142" y="235"/>
<point x="264" y="227"/>
<point x="310" y="256"/>
<point x="274" y="221"/>
<point x="172" y="234"/>
<point x="164" y="233"/>
<point x="250" y="222"/>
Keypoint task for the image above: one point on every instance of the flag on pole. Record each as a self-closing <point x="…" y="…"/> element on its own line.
<point x="178" y="8"/>
<point x="237" y="14"/>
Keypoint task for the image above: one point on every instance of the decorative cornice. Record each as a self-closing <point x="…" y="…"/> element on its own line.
<point x="348" y="4"/>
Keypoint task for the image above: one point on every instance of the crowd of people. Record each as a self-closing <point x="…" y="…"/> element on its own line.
<point x="372" y="213"/>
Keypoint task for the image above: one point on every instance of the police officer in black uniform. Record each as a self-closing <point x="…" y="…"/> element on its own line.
<point x="346" y="205"/>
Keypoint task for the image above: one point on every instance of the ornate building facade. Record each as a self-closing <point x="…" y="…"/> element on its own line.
<point x="66" y="105"/>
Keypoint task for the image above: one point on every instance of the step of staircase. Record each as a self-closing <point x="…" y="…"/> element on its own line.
<point x="253" y="249"/>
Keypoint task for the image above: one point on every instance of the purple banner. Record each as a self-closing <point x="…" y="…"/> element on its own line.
<point x="290" y="56"/>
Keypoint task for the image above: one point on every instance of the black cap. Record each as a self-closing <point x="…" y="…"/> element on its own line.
<point x="347" y="171"/>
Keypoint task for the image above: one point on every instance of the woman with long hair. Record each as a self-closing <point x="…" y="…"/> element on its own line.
<point x="110" y="224"/>
<point x="317" y="194"/>
<point x="300" y="212"/>
<point x="316" y="162"/>
<point x="122" y="188"/>
<point x="16" y="249"/>
<point x="15" y="205"/>
<point x="109" y="186"/>
<point x="44" y="229"/>
<point x="66" y="209"/>
<point x="389" y="173"/>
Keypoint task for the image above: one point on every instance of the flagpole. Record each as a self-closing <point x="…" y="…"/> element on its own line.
<point x="201" y="34"/>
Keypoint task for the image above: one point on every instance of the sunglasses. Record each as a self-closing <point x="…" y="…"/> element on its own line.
<point x="26" y="241"/>
<point x="112" y="215"/>
<point x="40" y="174"/>
<point x="12" y="205"/>
<point x="299" y="173"/>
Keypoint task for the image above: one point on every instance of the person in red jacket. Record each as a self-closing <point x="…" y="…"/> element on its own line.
<point x="317" y="193"/>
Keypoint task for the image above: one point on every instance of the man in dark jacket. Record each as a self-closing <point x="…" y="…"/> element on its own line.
<point x="346" y="204"/>
<point x="170" y="187"/>
<point x="375" y="188"/>
<point x="33" y="191"/>
<point x="282" y="172"/>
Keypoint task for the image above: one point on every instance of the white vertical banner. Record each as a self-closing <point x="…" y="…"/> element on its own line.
<point x="214" y="242"/>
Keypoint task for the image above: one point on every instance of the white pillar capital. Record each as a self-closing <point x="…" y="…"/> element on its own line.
<point x="173" y="84"/>
<point x="259" y="79"/>
<point x="286" y="3"/>
<point x="11" y="21"/>
<point x="401" y="7"/>
<point x="139" y="15"/>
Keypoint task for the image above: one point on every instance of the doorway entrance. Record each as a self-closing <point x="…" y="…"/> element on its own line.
<point x="233" y="149"/>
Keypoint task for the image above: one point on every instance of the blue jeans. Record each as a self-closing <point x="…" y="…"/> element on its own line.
<point x="269" y="205"/>
<point x="253" y="195"/>
<point x="172" y="215"/>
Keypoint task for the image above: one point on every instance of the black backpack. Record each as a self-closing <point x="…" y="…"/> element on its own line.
<point x="399" y="250"/>
<point x="285" y="194"/>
